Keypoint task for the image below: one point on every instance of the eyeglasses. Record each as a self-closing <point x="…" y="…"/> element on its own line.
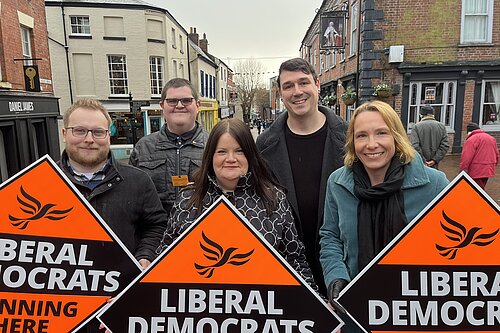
<point x="184" y="101"/>
<point x="81" y="132"/>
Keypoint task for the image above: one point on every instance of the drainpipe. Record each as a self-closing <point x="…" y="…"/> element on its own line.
<point x="66" y="49"/>
<point x="189" y="60"/>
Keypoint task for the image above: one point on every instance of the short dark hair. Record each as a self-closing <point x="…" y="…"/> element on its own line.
<point x="178" y="83"/>
<point x="261" y="177"/>
<point x="297" y="65"/>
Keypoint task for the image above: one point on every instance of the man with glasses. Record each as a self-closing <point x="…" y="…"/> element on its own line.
<point x="124" y="196"/>
<point x="171" y="155"/>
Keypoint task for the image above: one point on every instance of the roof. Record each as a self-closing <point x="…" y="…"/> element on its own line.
<point x="202" y="53"/>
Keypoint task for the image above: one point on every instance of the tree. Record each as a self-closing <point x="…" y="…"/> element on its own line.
<point x="262" y="100"/>
<point x="248" y="79"/>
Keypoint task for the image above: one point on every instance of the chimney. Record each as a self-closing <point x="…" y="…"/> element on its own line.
<point x="193" y="36"/>
<point x="204" y="43"/>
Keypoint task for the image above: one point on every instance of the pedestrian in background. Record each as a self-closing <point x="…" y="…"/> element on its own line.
<point x="259" y="125"/>
<point x="124" y="196"/>
<point x="429" y="138"/>
<point x="479" y="155"/>
<point x="171" y="155"/>
<point x="232" y="166"/>
<point x="303" y="146"/>
<point x="382" y="187"/>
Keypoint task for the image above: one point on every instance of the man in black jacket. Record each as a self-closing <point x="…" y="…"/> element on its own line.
<point x="304" y="146"/>
<point x="124" y="196"/>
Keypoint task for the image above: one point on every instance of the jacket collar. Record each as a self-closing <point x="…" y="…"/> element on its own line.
<point x="244" y="183"/>
<point x="195" y="137"/>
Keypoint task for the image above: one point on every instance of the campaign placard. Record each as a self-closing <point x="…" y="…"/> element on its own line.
<point x="59" y="262"/>
<point x="441" y="274"/>
<point x="220" y="275"/>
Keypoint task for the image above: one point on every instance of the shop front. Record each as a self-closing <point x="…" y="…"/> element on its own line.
<point x="208" y="115"/>
<point x="28" y="130"/>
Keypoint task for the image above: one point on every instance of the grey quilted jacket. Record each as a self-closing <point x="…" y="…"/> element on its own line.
<point x="162" y="158"/>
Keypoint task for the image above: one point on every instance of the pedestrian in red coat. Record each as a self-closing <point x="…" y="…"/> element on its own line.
<point x="479" y="155"/>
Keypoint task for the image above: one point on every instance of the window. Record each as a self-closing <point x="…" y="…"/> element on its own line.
<point x="26" y="41"/>
<point x="174" y="37"/>
<point x="440" y="95"/>
<point x="38" y="138"/>
<point x="214" y="88"/>
<point x="207" y="83"/>
<point x="477" y="21"/>
<point x="117" y="70"/>
<point x="202" y="83"/>
<point x="156" y="74"/>
<point x="181" y="44"/>
<point x="490" y="106"/>
<point x="353" y="42"/>
<point x="80" y="25"/>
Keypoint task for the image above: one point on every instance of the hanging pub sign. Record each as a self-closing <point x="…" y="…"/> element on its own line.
<point x="31" y="78"/>
<point x="332" y="30"/>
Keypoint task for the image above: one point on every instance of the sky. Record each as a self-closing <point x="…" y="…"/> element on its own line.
<point x="270" y="31"/>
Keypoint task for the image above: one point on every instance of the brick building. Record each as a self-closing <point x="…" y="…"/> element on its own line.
<point x="28" y="108"/>
<point x="442" y="53"/>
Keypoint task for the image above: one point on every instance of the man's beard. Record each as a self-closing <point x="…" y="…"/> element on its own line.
<point x="88" y="160"/>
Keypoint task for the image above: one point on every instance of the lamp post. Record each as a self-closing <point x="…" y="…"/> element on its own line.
<point x="132" y="120"/>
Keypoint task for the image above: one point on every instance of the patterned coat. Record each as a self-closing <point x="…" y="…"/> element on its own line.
<point x="278" y="228"/>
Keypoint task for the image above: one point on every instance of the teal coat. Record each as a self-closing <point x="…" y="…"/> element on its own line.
<point x="339" y="235"/>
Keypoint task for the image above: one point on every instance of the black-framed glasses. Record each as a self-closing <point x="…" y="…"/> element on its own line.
<point x="81" y="132"/>
<point x="186" y="101"/>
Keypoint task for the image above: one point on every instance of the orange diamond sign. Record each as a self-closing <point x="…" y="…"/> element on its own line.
<point x="53" y="274"/>
<point x="441" y="274"/>
<point x="220" y="275"/>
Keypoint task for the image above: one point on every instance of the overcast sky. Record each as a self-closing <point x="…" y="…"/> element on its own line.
<point x="268" y="30"/>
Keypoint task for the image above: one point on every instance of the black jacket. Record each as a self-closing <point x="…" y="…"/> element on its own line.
<point x="272" y="144"/>
<point x="127" y="201"/>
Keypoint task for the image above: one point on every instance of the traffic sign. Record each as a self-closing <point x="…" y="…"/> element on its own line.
<point x="220" y="275"/>
<point x="442" y="272"/>
<point x="59" y="262"/>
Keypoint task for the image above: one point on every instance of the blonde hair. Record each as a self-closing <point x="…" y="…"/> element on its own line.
<point x="391" y="118"/>
<point x="91" y="104"/>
